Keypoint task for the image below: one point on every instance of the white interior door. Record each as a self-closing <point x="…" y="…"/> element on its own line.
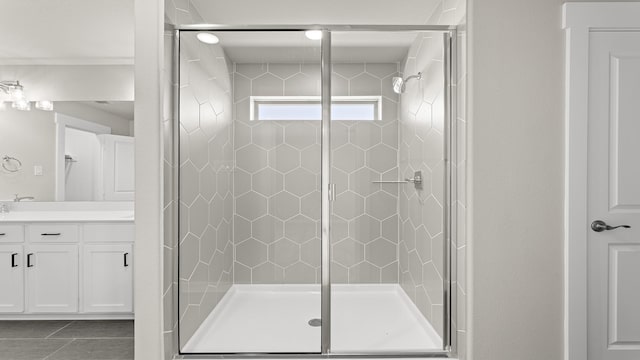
<point x="118" y="167"/>
<point x="614" y="195"/>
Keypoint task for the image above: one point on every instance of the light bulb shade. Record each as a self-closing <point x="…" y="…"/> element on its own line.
<point x="22" y="104"/>
<point x="208" y="38"/>
<point x="313" y="34"/>
<point x="45" y="105"/>
<point x="17" y="93"/>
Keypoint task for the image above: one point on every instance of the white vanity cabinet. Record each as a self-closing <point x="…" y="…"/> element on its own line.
<point x="55" y="270"/>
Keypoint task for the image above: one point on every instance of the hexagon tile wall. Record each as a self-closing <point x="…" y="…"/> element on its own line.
<point x="206" y="182"/>
<point x="277" y="180"/>
<point x="422" y="148"/>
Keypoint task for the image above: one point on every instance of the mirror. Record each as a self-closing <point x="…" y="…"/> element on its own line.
<point x="81" y="151"/>
<point x="78" y="60"/>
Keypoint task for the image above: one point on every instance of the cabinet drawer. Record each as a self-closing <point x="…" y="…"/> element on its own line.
<point x="53" y="232"/>
<point x="11" y="233"/>
<point x="109" y="232"/>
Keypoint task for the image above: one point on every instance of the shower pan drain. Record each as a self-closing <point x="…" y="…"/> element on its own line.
<point x="315" y="322"/>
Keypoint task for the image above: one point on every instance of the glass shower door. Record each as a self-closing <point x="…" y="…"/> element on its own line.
<point x="249" y="217"/>
<point x="258" y="193"/>
<point x="388" y="146"/>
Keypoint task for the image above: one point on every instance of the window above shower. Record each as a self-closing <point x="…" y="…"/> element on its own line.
<point x="295" y="108"/>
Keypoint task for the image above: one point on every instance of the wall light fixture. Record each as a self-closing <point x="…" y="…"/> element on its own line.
<point x="18" y="99"/>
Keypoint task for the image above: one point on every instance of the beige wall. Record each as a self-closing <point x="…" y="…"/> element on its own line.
<point x="118" y="125"/>
<point x="72" y="82"/>
<point x="149" y="331"/>
<point x="516" y="179"/>
<point x="29" y="137"/>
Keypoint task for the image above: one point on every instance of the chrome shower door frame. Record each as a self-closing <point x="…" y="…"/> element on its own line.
<point x="326" y="195"/>
<point x="450" y="177"/>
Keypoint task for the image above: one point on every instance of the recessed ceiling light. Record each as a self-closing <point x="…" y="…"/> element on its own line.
<point x="313" y="34"/>
<point x="208" y="38"/>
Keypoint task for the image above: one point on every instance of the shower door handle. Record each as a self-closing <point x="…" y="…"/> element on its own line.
<point x="391" y="181"/>
<point x="332" y="192"/>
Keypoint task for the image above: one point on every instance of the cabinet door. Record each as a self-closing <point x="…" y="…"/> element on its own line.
<point x="52" y="278"/>
<point x="11" y="279"/>
<point x="117" y="167"/>
<point x="108" y="278"/>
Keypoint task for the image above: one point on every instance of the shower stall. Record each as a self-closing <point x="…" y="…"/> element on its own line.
<point x="314" y="190"/>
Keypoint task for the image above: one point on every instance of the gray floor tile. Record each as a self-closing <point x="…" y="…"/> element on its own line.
<point x="87" y="329"/>
<point x="10" y="329"/>
<point x="29" y="349"/>
<point x="95" y="349"/>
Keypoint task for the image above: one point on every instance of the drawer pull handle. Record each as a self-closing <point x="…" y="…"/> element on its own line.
<point x="13" y="260"/>
<point x="3" y="234"/>
<point x="51" y="234"/>
<point x="125" y="259"/>
<point x="29" y="264"/>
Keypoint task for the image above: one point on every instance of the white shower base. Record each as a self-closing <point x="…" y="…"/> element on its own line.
<point x="274" y="319"/>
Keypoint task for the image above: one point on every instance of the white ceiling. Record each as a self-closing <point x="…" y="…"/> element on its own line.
<point x="258" y="47"/>
<point x="101" y="32"/>
<point x="399" y="12"/>
<point x="291" y="47"/>
<point x="123" y="109"/>
<point x="66" y="32"/>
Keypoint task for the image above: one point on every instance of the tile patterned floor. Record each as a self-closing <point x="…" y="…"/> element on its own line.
<point x="66" y="340"/>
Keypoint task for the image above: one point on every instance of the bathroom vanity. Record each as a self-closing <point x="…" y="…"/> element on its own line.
<point x="72" y="264"/>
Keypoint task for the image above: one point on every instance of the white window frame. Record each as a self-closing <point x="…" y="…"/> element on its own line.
<point x="254" y="101"/>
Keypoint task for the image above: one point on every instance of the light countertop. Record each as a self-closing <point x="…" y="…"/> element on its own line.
<point x="67" y="216"/>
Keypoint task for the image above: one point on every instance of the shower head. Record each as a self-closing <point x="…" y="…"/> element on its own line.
<point x="399" y="84"/>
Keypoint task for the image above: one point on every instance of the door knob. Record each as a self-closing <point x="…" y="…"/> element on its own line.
<point x="600" y="226"/>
